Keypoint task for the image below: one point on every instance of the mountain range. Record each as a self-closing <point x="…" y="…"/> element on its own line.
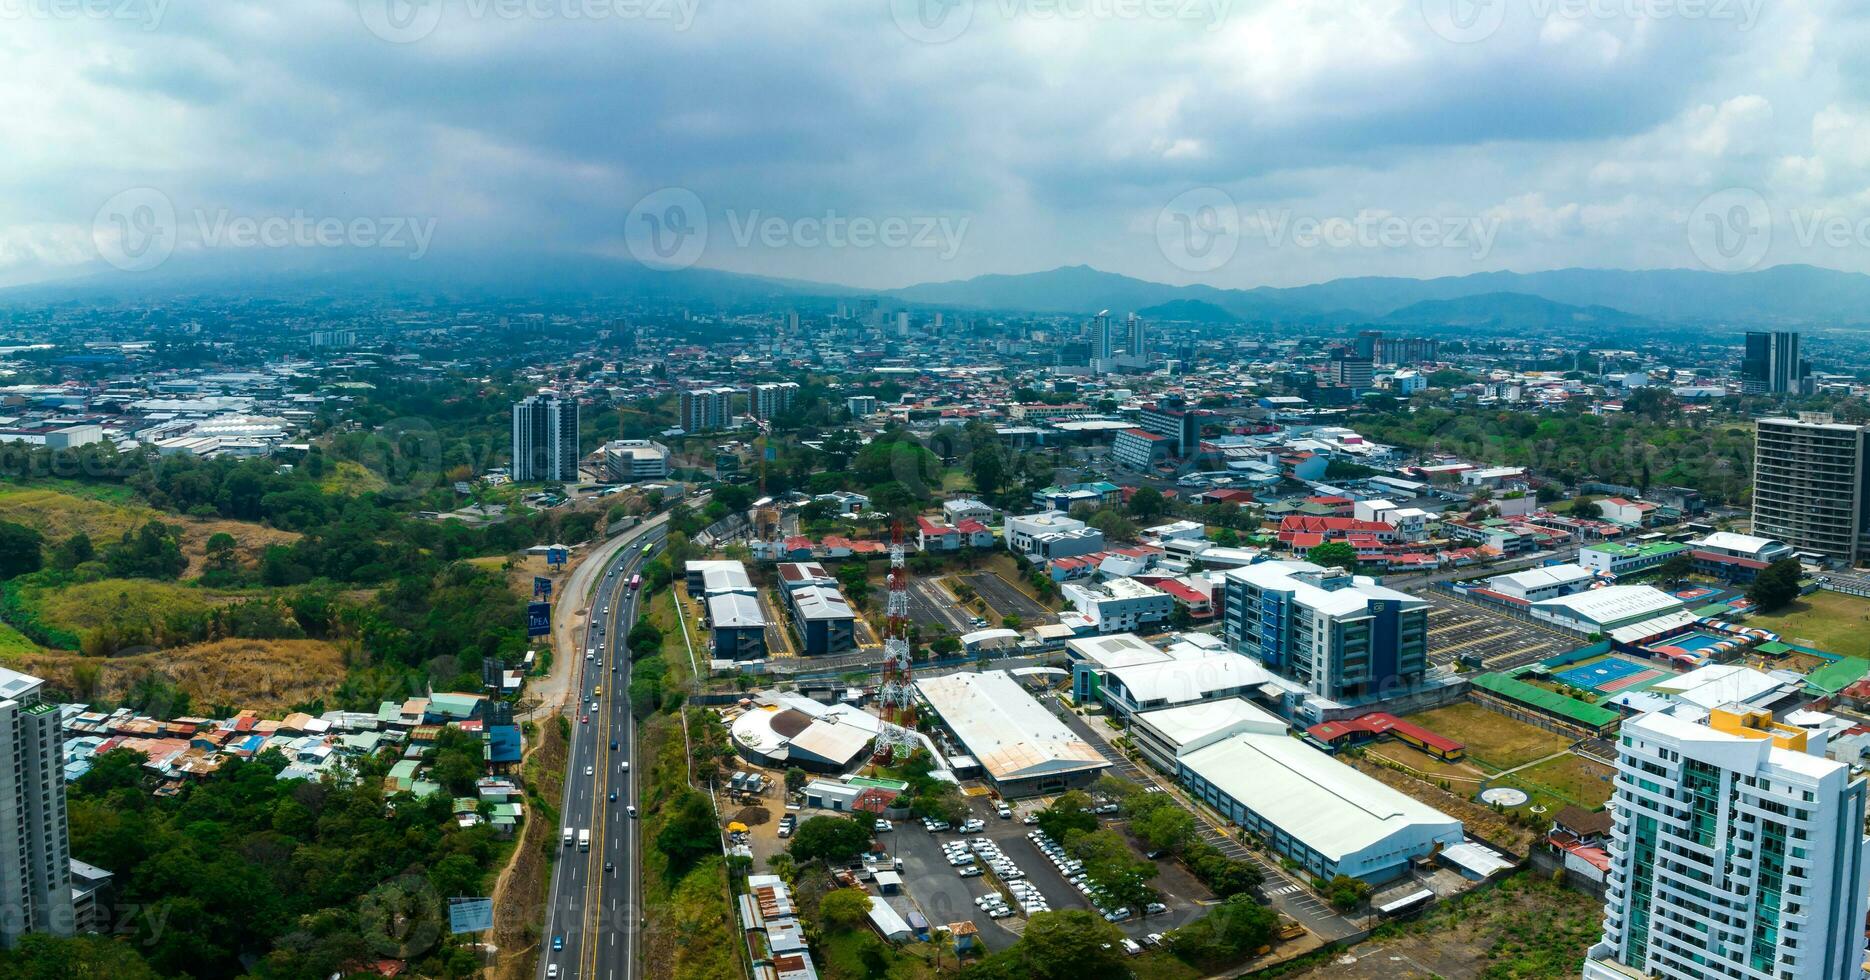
<point x="1786" y="295"/>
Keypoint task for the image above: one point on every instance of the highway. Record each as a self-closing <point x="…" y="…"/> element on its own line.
<point x="591" y="910"/>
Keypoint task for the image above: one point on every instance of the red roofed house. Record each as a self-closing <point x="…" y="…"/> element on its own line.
<point x="974" y="534"/>
<point x="936" y="536"/>
<point x="1199" y="604"/>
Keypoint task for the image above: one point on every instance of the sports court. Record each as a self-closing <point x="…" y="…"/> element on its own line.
<point x="1695" y="592"/>
<point x="1609" y="675"/>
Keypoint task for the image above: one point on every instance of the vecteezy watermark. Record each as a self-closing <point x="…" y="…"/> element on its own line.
<point x="668" y="229"/>
<point x="1474" y="234"/>
<point x="408" y="21"/>
<point x="939" y="21"/>
<point x="1199" y="229"/>
<point x="146" y="14"/>
<point x="1469" y="21"/>
<point x="1733" y="229"/>
<point x="139" y="229"/>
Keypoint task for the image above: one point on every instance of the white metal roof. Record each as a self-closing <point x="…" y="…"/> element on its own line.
<point x="1615" y="603"/>
<point x="1189" y="680"/>
<point x="1188" y="723"/>
<point x="1012" y="735"/>
<point x="1718" y="684"/>
<point x="1746" y="544"/>
<point x="15" y="685"/>
<point x="1326" y="805"/>
<point x="731" y="609"/>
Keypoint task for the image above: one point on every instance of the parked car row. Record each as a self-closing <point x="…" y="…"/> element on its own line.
<point x="1073" y="870"/>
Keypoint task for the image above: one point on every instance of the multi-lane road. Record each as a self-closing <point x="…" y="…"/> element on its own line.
<point x="592" y="913"/>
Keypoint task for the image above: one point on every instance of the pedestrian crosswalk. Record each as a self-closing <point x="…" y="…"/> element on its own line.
<point x="1283" y="890"/>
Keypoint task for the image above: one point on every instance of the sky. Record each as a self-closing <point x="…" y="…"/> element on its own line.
<point x="880" y="143"/>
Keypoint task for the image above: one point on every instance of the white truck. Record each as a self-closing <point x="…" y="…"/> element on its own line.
<point x="584" y="840"/>
<point x="568" y="836"/>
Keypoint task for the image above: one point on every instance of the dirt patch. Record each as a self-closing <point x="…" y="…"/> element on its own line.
<point x="1480" y="819"/>
<point x="520" y="894"/>
<point x="268" y="676"/>
<point x="754" y="816"/>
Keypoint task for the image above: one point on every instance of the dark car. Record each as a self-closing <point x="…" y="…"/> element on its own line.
<point x="558" y="941"/>
<point x="613" y="796"/>
<point x="609" y="868"/>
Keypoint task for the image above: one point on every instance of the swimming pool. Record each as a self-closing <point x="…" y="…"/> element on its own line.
<point x="1693" y="642"/>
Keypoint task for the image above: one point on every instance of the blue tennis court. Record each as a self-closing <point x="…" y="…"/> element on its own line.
<point x="1594" y="675"/>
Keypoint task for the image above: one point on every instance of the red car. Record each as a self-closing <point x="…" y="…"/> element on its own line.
<point x="584" y="719"/>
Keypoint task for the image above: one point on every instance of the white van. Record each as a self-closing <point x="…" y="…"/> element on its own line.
<point x="568" y="836"/>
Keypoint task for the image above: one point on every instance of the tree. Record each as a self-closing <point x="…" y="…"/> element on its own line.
<point x="1236" y="926"/>
<point x="1346" y="893"/>
<point x="1227" y="537"/>
<point x="1070" y="812"/>
<point x="1676" y="568"/>
<point x="1115" y="526"/>
<point x="19" y="550"/>
<point x="795" y="779"/>
<point x="690" y="833"/>
<point x="76" y="550"/>
<point x="1073" y="943"/>
<point x="835" y="839"/>
<point x="1776" y="585"/>
<point x="1333" y="554"/>
<point x="844" y="908"/>
<point x="1165" y="828"/>
<point x="1148" y="502"/>
<point x="987" y="466"/>
<point x="220" y="550"/>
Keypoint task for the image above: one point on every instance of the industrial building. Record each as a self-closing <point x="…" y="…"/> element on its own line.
<point x="1737" y="850"/>
<point x="1313" y="809"/>
<point x="779" y="730"/>
<point x="736" y="622"/>
<point x="1164" y="734"/>
<point x="1605" y="609"/>
<point x="1021" y="747"/>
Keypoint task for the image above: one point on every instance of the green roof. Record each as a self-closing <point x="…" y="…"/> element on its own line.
<point x="1774" y="648"/>
<point x="1549" y="701"/>
<point x="1835" y="677"/>
<point x="1713" y="609"/>
<point x="1643" y="550"/>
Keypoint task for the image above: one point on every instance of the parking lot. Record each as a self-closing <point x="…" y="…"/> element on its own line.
<point x="1007" y="600"/>
<point x="1457" y="629"/>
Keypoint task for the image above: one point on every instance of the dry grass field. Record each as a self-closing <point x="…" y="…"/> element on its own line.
<point x="1491" y="738"/>
<point x="58" y="515"/>
<point x="267" y="675"/>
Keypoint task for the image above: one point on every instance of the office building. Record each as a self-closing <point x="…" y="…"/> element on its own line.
<point x="1342" y="636"/>
<point x="861" y="406"/>
<point x="545" y="439"/>
<point x="1136" y="342"/>
<point x="35" y="877"/>
<point x="1771" y="364"/>
<point x="1737" y="850"/>
<point x="1350" y="370"/>
<point x="1811" y="485"/>
<point x="1172" y="417"/>
<point x="1120" y="605"/>
<point x="707" y="409"/>
<point x="630" y="460"/>
<point x="770" y="400"/>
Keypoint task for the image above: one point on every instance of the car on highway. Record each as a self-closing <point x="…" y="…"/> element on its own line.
<point x="624" y="767"/>
<point x="590" y="770"/>
<point x="551" y="972"/>
<point x="584" y="719"/>
<point x="613" y="745"/>
<point x="609" y="868"/>
<point x="558" y="941"/>
<point x="631" y="810"/>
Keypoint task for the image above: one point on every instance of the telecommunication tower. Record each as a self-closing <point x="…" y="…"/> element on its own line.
<point x="897" y="696"/>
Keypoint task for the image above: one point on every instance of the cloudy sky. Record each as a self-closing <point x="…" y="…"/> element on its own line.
<point x="884" y="142"/>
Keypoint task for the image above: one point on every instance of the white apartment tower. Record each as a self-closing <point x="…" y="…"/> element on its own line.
<point x="545" y="438"/>
<point x="1738" y="850"/>
<point x="708" y="409"/>
<point x="35" y="854"/>
<point x="1811" y="485"/>
<point x="772" y="399"/>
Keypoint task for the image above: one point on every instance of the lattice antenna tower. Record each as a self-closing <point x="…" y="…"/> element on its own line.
<point x="898" y="691"/>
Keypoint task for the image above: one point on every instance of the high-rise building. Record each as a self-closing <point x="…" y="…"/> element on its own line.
<point x="1342" y="636"/>
<point x="1811" y="485"/>
<point x="35" y="876"/>
<point x="861" y="406"/>
<point x="769" y="400"/>
<point x="1352" y="370"/>
<point x="1104" y="342"/>
<point x="1137" y="339"/>
<point x="1171" y="417"/>
<point x="1737" y="850"/>
<point x="545" y="438"/>
<point x="708" y="409"/>
<point x="1369" y="344"/>
<point x="1771" y="363"/>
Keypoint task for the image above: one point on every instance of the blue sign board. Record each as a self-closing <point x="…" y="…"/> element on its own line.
<point x="470" y="915"/>
<point x="538" y="618"/>
<point x="541" y="587"/>
<point x="556" y="556"/>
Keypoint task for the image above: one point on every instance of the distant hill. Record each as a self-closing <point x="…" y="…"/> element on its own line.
<point x="1788" y="294"/>
<point x="1187" y="311"/>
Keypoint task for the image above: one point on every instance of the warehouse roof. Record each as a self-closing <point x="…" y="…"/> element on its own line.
<point x="1328" y="806"/>
<point x="1614" y="605"/>
<point x="1012" y="735"/>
